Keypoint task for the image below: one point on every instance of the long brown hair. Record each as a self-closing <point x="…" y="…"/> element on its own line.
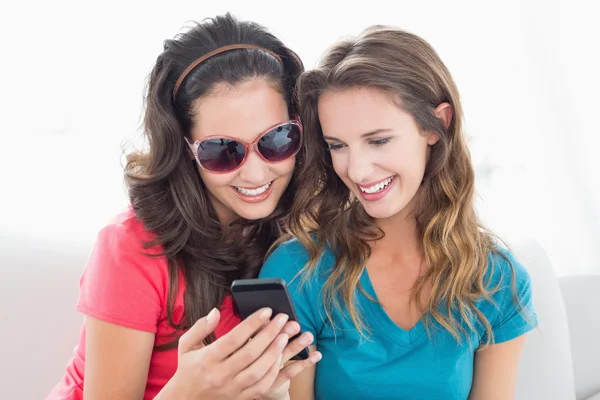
<point x="455" y="243"/>
<point x="165" y="188"/>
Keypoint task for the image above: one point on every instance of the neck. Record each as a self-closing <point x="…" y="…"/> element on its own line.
<point x="401" y="234"/>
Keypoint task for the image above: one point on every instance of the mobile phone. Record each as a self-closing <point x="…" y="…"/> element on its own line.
<point x="251" y="295"/>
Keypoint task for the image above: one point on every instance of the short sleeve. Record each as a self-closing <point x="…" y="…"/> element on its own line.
<point x="285" y="262"/>
<point x="120" y="285"/>
<point x="513" y="313"/>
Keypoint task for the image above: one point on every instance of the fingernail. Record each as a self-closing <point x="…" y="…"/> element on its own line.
<point x="291" y="328"/>
<point x="307" y="338"/>
<point x="315" y="357"/>
<point x="281" y="320"/>
<point x="265" y="314"/>
<point x="211" y="315"/>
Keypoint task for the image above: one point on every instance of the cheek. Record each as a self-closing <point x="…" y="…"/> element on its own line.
<point x="340" y="164"/>
<point x="283" y="169"/>
<point x="414" y="171"/>
<point x="215" y="181"/>
<point x="409" y="160"/>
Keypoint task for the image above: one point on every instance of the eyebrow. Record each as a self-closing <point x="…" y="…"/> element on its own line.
<point x="364" y="135"/>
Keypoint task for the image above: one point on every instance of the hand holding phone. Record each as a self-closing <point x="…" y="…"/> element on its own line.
<point x="232" y="367"/>
<point x="235" y="367"/>
<point x="251" y="295"/>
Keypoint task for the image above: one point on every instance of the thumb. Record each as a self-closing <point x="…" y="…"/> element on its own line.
<point x="194" y="337"/>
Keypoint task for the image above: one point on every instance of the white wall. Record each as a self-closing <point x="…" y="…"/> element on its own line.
<point x="72" y="75"/>
<point x="526" y="70"/>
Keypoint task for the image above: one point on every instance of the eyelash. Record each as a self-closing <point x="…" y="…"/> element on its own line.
<point x="376" y="142"/>
<point x="334" y="147"/>
<point x="380" y="142"/>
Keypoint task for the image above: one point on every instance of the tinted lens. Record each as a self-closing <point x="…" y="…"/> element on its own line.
<point x="280" y="143"/>
<point x="221" y="155"/>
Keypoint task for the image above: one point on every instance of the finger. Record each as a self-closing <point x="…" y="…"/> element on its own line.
<point x="257" y="370"/>
<point x="260" y="328"/>
<point x="264" y="385"/>
<point x="238" y="336"/>
<point x="251" y="351"/>
<point x="291" y="328"/>
<point x="195" y="336"/>
<point x="297" y="345"/>
<point x="291" y="370"/>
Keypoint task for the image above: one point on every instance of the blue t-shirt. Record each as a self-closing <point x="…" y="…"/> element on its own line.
<point x="393" y="363"/>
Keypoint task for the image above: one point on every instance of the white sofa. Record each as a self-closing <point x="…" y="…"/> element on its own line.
<point x="39" y="285"/>
<point x="561" y="359"/>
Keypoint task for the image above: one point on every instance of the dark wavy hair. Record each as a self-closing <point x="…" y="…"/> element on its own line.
<point x="165" y="188"/>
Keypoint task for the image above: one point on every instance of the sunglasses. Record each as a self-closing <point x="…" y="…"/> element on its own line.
<point x="223" y="154"/>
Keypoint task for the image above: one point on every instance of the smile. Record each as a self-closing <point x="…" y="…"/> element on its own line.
<point x="253" y="192"/>
<point x="377" y="187"/>
<point x="253" y="195"/>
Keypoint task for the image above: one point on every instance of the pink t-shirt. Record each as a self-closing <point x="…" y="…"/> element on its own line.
<point x="124" y="287"/>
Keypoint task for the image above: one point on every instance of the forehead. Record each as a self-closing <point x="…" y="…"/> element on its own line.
<point x="356" y="111"/>
<point x="242" y="111"/>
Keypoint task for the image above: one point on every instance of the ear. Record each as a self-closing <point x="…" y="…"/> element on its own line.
<point x="444" y="113"/>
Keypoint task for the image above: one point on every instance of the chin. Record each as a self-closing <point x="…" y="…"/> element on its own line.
<point x="380" y="212"/>
<point x="255" y="211"/>
<point x="383" y="211"/>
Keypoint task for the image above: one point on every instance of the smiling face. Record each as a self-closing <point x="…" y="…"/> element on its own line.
<point x="244" y="112"/>
<point x="376" y="147"/>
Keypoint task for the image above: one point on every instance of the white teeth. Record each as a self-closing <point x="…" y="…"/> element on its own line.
<point x="253" y="192"/>
<point x="378" y="187"/>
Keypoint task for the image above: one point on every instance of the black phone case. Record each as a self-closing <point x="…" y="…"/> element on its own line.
<point x="250" y="295"/>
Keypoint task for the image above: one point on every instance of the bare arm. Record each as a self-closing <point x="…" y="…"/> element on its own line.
<point x="302" y="387"/>
<point x="116" y="361"/>
<point x="495" y="371"/>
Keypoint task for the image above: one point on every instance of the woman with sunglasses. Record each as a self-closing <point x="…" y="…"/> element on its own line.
<point x="407" y="295"/>
<point x="208" y="198"/>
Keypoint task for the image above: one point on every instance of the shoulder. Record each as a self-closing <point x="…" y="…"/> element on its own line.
<point x="509" y="310"/>
<point x="289" y="258"/>
<point x="288" y="261"/>
<point x="509" y="285"/>
<point x="128" y="224"/>
<point x="121" y="250"/>
<point x="505" y="273"/>
<point x="122" y="282"/>
<point x="125" y="233"/>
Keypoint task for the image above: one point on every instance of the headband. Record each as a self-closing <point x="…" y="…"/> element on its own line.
<point x="214" y="53"/>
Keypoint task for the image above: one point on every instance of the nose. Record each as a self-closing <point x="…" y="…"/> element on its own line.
<point x="255" y="170"/>
<point x="360" y="167"/>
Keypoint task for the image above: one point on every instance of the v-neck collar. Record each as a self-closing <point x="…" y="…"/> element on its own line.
<point x="387" y="326"/>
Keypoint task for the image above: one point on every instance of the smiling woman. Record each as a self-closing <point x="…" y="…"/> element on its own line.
<point x="228" y="133"/>
<point x="407" y="294"/>
<point x="71" y="96"/>
<point x="373" y="125"/>
<point x="208" y="197"/>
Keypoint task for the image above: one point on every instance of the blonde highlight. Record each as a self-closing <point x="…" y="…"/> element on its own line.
<point x="456" y="245"/>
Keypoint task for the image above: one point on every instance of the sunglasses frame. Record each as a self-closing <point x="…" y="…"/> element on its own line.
<point x="253" y="146"/>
